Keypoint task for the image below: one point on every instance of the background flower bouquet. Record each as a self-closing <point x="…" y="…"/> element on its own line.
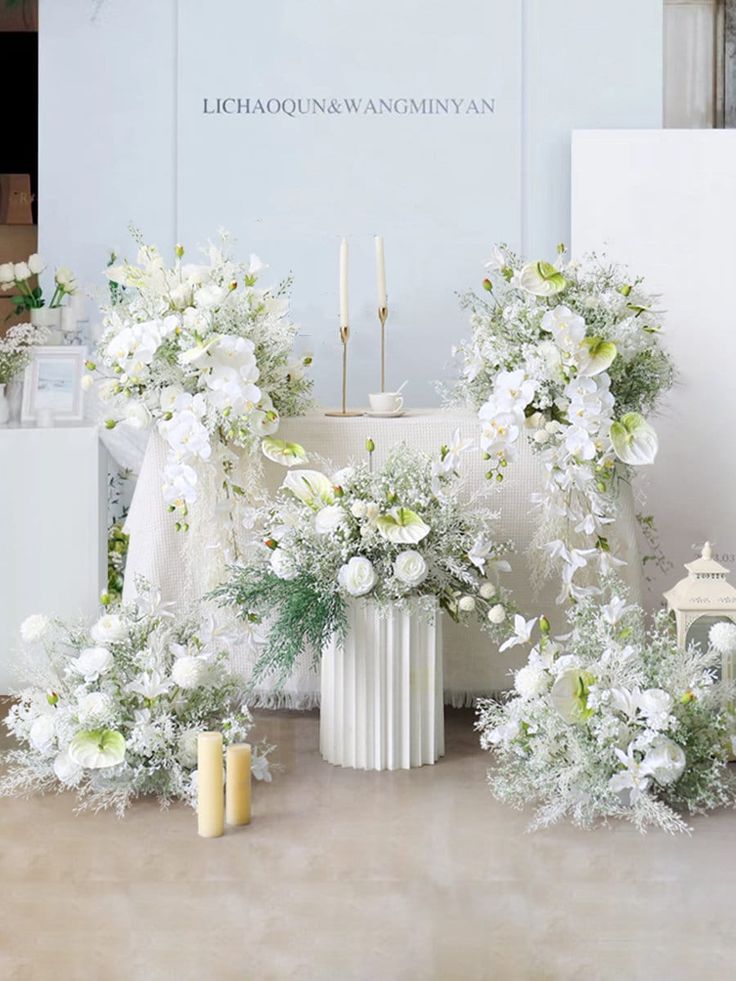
<point x="206" y="355"/>
<point x="571" y="354"/>
<point x="612" y="722"/>
<point x="118" y="706"/>
<point x="393" y="535"/>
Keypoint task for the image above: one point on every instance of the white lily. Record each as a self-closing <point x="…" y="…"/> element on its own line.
<point x="522" y="633"/>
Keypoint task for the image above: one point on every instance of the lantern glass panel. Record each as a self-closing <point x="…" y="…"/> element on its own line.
<point x="698" y="632"/>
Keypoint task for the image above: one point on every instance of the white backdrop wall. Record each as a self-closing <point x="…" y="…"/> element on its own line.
<point x="111" y="131"/>
<point x="665" y="203"/>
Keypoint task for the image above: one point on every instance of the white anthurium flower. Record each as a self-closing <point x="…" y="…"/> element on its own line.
<point x="188" y="672"/>
<point x="93" y="662"/>
<point x="634" y="777"/>
<point x="283" y="565"/>
<point x="97" y="749"/>
<point x="330" y="519"/>
<point x="34" y="628"/>
<point x="357" y="577"/>
<point x="66" y="770"/>
<point x="36" y="264"/>
<point x="42" y="734"/>
<point x="109" y="629"/>
<point x="180" y="484"/>
<point x="595" y="355"/>
<point x="665" y="761"/>
<point x="310" y="487"/>
<point x="569" y="694"/>
<point x="522" y="633"/>
<point x="722" y="637"/>
<point x="149" y="685"/>
<point x="410" y="568"/>
<point x="531" y="681"/>
<point x="402" y="526"/>
<point x="541" y="279"/>
<point x="634" y="441"/>
<point x="279" y="451"/>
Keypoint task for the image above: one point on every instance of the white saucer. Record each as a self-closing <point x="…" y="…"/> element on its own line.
<point x="385" y="415"/>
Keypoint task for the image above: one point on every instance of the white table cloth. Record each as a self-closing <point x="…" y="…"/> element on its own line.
<point x="472" y="665"/>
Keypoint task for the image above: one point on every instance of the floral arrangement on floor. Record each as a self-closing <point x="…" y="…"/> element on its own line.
<point x="613" y="722"/>
<point x="571" y="354"/>
<point x="392" y="534"/>
<point x="118" y="705"/>
<point x="17" y="276"/>
<point x="204" y="354"/>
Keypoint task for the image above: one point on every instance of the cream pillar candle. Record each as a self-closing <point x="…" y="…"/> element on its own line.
<point x="238" y="784"/>
<point x="210" y="798"/>
<point x="381" y="274"/>
<point x="344" y="314"/>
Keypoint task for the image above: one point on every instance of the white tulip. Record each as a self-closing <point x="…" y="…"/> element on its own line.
<point x="36" y="264"/>
<point x="65" y="279"/>
<point x="410" y="568"/>
<point x="21" y="272"/>
<point x="358" y="576"/>
<point x="7" y="274"/>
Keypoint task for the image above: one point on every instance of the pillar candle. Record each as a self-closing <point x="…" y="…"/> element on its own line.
<point x="238" y="784"/>
<point x="381" y="273"/>
<point x="210" y="798"/>
<point x="344" y="318"/>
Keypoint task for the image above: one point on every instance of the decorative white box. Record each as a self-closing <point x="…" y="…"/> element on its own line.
<point x="381" y="691"/>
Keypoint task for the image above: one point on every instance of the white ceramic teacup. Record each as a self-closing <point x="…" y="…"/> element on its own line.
<point x="386" y="402"/>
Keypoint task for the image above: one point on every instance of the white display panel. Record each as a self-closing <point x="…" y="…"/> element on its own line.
<point x="665" y="203"/>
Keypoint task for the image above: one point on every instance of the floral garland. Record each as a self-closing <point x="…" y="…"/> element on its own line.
<point x="119" y="704"/>
<point x="203" y="353"/>
<point x="570" y="353"/>
<point x="613" y="722"/>
<point x="391" y="535"/>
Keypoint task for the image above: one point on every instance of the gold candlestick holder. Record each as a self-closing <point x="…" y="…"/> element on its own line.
<point x="344" y="412"/>
<point x="383" y="317"/>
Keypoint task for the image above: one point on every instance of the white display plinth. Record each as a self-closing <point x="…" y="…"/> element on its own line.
<point x="381" y="691"/>
<point x="53" y="515"/>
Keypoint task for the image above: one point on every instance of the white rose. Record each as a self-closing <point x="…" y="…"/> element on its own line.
<point x="109" y="629"/>
<point x="466" y="604"/>
<point x="283" y="564"/>
<point x="7" y="273"/>
<point x="36" y="264"/>
<point x="530" y="681"/>
<point x="21" y="272"/>
<point x="358" y="509"/>
<point x="95" y="708"/>
<point x="497" y="614"/>
<point x="358" y="576"/>
<point x="42" y="735"/>
<point x="34" y="628"/>
<point x="188" y="747"/>
<point x="665" y="761"/>
<point x="655" y="704"/>
<point x="487" y="590"/>
<point x="410" y="568"/>
<point x="330" y="519"/>
<point x="92" y="662"/>
<point x="137" y="415"/>
<point x="188" y="672"/>
<point x="66" y="770"/>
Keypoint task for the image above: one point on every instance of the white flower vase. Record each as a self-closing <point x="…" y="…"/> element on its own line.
<point x="14" y="395"/>
<point x="50" y="318"/>
<point x="382" y="704"/>
<point x="4" y="406"/>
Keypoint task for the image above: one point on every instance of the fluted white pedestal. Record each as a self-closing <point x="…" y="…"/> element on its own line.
<point x="381" y="692"/>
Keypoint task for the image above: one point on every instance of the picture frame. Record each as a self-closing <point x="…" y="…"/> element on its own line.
<point x="53" y="382"/>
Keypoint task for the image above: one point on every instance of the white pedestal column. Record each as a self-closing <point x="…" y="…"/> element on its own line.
<point x="381" y="692"/>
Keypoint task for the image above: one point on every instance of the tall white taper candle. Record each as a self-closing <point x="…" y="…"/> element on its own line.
<point x="381" y="273"/>
<point x="344" y="313"/>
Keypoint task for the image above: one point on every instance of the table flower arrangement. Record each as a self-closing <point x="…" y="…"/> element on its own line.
<point x="204" y="354"/>
<point x="17" y="276"/>
<point x="612" y="722"/>
<point x="392" y="535"/>
<point x="571" y="355"/>
<point x="16" y="348"/>
<point x="118" y="705"/>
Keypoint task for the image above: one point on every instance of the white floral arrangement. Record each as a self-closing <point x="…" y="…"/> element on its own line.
<point x="393" y="535"/>
<point x="570" y="354"/>
<point x="17" y="276"/>
<point x="613" y="722"/>
<point x="118" y="706"/>
<point x="16" y="349"/>
<point x="205" y="354"/>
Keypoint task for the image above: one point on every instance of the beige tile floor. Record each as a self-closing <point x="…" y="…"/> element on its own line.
<point x="349" y="875"/>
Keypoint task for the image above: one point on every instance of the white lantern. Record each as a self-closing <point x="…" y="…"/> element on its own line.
<point x="702" y="599"/>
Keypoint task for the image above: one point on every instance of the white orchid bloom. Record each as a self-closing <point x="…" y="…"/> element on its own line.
<point x="615" y="610"/>
<point x="522" y="633"/>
